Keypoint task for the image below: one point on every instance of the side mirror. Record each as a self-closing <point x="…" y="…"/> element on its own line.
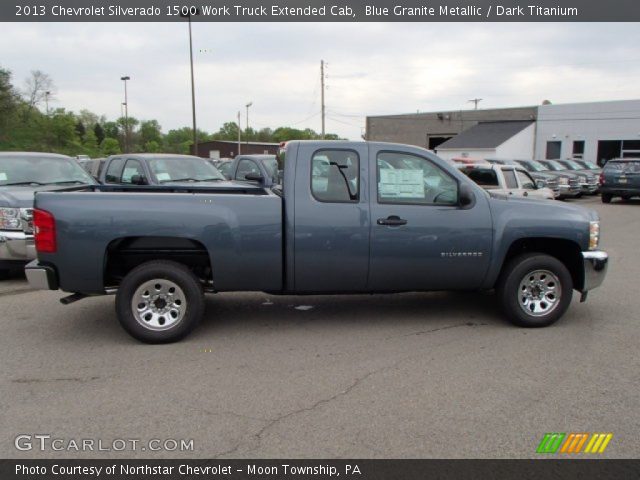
<point x="465" y="195"/>
<point x="254" y="177"/>
<point x="541" y="184"/>
<point x="139" y="180"/>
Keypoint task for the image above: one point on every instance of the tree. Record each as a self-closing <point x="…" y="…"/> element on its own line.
<point x="150" y="131"/>
<point x="80" y="129"/>
<point x="37" y="87"/>
<point x="110" y="146"/>
<point x="98" y="131"/>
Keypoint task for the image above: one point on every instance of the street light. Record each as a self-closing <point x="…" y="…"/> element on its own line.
<point x="126" y="114"/>
<point x="247" y="134"/>
<point x="46" y="100"/>
<point x="193" y="88"/>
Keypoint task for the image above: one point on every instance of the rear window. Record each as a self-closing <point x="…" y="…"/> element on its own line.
<point x="626" y="167"/>
<point x="485" y="177"/>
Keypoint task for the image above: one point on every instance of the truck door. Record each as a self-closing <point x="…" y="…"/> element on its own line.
<point x="331" y="219"/>
<point x="421" y="239"/>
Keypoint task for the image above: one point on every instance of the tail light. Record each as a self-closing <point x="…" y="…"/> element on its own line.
<point x="601" y="178"/>
<point x="44" y="228"/>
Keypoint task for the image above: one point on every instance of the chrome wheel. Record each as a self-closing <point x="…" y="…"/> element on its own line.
<point x="539" y="293"/>
<point x="158" y="304"/>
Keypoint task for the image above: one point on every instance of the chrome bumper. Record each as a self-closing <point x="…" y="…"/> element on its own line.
<point x="595" y="269"/>
<point x="16" y="246"/>
<point x="41" y="277"/>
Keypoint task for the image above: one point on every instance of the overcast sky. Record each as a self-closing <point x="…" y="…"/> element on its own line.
<point x="374" y="68"/>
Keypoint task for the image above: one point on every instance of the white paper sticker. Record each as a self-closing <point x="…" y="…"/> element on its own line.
<point x="401" y="183"/>
<point x="163" y="176"/>
<point x="3" y="176"/>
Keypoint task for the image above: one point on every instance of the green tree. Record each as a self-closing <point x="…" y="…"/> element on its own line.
<point x="150" y="131"/>
<point x="98" y="131"/>
<point x="110" y="146"/>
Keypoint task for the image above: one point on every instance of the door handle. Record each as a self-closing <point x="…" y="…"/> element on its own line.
<point x="392" y="221"/>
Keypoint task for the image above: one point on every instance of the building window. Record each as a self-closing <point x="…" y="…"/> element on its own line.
<point x="553" y="150"/>
<point x="578" y="149"/>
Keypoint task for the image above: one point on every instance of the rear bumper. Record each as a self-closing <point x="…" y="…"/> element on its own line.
<point x="595" y="269"/>
<point x="41" y="277"/>
<point x="16" y="246"/>
<point x="619" y="191"/>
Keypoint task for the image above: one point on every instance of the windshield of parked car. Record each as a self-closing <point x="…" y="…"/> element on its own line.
<point x="33" y="170"/>
<point x="184" y="169"/>
<point x="589" y="165"/>
<point x="533" y="166"/>
<point x="555" y="166"/>
<point x="572" y="165"/>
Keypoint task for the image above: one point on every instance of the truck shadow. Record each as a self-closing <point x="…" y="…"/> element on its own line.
<point x="228" y="313"/>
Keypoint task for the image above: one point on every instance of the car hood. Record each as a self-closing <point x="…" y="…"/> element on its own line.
<point x="22" y="196"/>
<point x="554" y="209"/>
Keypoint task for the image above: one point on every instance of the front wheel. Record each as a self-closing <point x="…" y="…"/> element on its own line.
<point x="606" y="198"/>
<point x="159" y="302"/>
<point x="535" y="290"/>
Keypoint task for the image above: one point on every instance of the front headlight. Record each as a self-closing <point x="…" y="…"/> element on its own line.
<point x="10" y="219"/>
<point x="594" y="235"/>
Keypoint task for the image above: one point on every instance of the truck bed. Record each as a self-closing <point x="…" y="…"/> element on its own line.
<point x="238" y="227"/>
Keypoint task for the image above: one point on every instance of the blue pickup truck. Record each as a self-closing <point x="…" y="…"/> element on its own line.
<point x="349" y="217"/>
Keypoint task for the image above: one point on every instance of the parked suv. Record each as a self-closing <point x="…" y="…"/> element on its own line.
<point x="620" y="177"/>
<point x="21" y="176"/>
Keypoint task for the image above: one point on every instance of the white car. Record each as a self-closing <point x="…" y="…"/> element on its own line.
<point x="506" y="180"/>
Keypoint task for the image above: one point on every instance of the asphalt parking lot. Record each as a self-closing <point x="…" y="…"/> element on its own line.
<point x="400" y="376"/>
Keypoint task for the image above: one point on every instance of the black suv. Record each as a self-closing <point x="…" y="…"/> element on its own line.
<point x="620" y="177"/>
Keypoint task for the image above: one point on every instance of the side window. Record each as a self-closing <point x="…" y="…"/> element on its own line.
<point x="131" y="168"/>
<point x="335" y="176"/>
<point x="407" y="178"/>
<point x="244" y="167"/>
<point x="483" y="177"/>
<point x="510" y="178"/>
<point x="525" y="180"/>
<point x="113" y="171"/>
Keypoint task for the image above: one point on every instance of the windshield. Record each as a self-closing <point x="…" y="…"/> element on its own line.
<point x="184" y="169"/>
<point x="41" y="171"/>
<point x="533" y="166"/>
<point x="590" y="165"/>
<point x="572" y="165"/>
<point x="555" y="166"/>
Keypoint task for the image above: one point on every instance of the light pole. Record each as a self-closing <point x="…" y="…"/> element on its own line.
<point x="46" y="100"/>
<point x="247" y="131"/>
<point x="126" y="114"/>
<point x="239" y="132"/>
<point x="193" y="88"/>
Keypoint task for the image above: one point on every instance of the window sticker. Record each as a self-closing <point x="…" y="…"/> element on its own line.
<point x="3" y="176"/>
<point x="163" y="176"/>
<point x="401" y="183"/>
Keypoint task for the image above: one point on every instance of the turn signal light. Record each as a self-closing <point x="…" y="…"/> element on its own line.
<point x="44" y="228"/>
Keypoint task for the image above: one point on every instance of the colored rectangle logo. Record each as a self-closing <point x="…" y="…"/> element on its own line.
<point x="573" y="443"/>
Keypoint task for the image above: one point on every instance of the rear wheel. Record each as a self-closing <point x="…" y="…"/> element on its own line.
<point x="626" y="198"/>
<point x="160" y="302"/>
<point x="535" y="290"/>
<point x="606" y="198"/>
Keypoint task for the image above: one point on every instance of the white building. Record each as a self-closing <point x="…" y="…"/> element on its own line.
<point x="503" y="139"/>
<point x="596" y="131"/>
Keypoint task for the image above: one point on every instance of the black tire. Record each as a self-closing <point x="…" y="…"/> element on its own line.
<point x="189" y="305"/>
<point x="511" y="297"/>
<point x="626" y="198"/>
<point x="606" y="198"/>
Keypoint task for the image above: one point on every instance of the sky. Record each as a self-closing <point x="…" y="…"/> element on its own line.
<point x="373" y="68"/>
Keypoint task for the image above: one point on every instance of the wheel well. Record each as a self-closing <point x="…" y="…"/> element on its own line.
<point x="567" y="251"/>
<point x="125" y="254"/>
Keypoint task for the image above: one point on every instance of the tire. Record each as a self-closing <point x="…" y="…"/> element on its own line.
<point x="606" y="198"/>
<point x="626" y="198"/>
<point x="535" y="308"/>
<point x="159" y="315"/>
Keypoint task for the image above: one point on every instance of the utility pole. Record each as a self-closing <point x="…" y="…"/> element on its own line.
<point x="46" y="100"/>
<point x="322" y="93"/>
<point x="247" y="130"/>
<point x="239" y="133"/>
<point x="126" y="114"/>
<point x="193" y="90"/>
<point x="475" y="101"/>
